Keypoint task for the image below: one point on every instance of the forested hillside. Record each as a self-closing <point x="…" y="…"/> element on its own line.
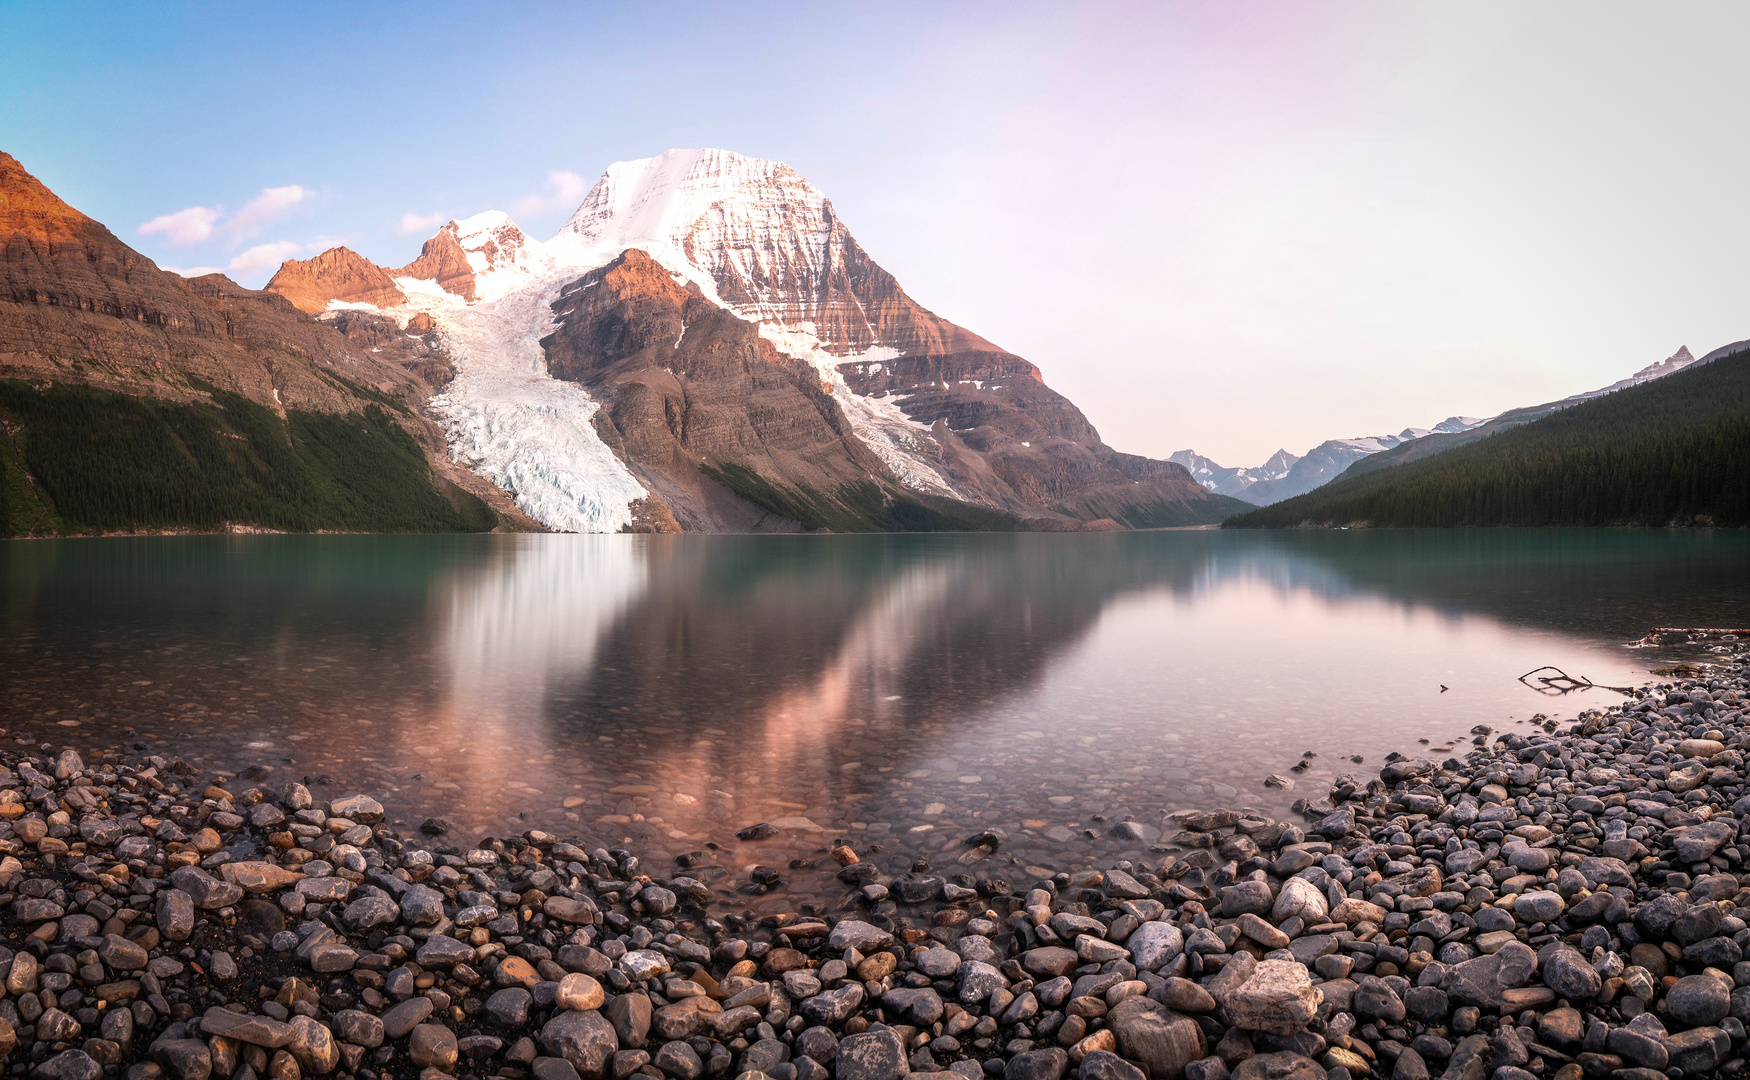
<point x="76" y="459"/>
<point x="1675" y="451"/>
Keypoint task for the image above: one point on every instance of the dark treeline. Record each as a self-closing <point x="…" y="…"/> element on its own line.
<point x="1675" y="451"/>
<point x="77" y="460"/>
<point x="864" y="507"/>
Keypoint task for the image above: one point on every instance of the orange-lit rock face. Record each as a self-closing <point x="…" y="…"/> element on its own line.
<point x="78" y="305"/>
<point x="336" y="274"/>
<point x="443" y="261"/>
<point x="57" y="258"/>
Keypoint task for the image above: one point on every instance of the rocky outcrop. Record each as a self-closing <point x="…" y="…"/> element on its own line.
<point x="416" y="348"/>
<point x="1008" y="440"/>
<point x="685" y="383"/>
<point x="336" y="274"/>
<point x="78" y="306"/>
<point x="443" y="261"/>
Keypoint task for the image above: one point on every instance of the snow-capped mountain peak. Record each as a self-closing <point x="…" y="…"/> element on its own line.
<point x="754" y="239"/>
<point x="751" y="233"/>
<point x="659" y="200"/>
<point x="760" y="240"/>
<point x="1232" y="481"/>
<point x="1671" y="365"/>
<point x="492" y="241"/>
<point x="1278" y="465"/>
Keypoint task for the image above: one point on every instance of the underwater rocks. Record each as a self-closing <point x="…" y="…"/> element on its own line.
<point x="1559" y="905"/>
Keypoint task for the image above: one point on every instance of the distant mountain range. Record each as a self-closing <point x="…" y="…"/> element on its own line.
<point x="702" y="347"/>
<point x="1665" y="447"/>
<point x="1285" y="476"/>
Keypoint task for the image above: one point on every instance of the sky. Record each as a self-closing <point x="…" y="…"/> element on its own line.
<point x="1231" y="227"/>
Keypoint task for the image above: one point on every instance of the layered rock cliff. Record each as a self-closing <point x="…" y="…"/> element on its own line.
<point x="80" y="308"/>
<point x="695" y="400"/>
<point x="336" y="274"/>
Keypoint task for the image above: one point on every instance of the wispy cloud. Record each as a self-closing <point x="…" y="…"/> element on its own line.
<point x="184" y="227"/>
<point x="196" y="224"/>
<point x="564" y="191"/>
<point x="271" y="205"/>
<point x="260" y="259"/>
<point x="418" y="223"/>
<point x="264" y="257"/>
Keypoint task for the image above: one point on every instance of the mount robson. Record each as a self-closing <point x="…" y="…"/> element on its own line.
<point x="702" y="347"/>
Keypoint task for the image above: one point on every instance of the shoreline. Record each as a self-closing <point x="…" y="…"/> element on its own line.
<point x="1568" y="905"/>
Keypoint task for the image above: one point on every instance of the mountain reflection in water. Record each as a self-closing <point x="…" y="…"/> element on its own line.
<point x="901" y="692"/>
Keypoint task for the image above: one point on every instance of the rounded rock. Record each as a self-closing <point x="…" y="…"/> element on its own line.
<point x="579" y="992"/>
<point x="1699" y="1000"/>
<point x="1156" y="1036"/>
<point x="432" y="1046"/>
<point x="585" y="1039"/>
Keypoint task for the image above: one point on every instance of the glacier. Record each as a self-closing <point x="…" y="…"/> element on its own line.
<point x="510" y="421"/>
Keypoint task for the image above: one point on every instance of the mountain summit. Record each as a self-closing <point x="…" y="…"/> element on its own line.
<point x="704" y="346"/>
<point x="769" y="243"/>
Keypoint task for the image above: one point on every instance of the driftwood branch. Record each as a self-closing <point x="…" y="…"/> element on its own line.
<point x="1562" y="683"/>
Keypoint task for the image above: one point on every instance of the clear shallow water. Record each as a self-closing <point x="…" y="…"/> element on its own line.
<point x="900" y="692"/>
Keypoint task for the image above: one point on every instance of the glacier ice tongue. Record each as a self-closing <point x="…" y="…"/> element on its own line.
<point x="510" y="421"/>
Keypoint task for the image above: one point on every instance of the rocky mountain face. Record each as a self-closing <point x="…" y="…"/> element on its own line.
<point x="741" y="356"/>
<point x="443" y="262"/>
<point x="770" y="243"/>
<point x="337" y="274"/>
<point x="79" y="307"/>
<point x="683" y="381"/>
<point x="415" y="347"/>
<point x="1672" y="364"/>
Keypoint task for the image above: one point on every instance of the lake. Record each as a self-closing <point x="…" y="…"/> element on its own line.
<point x="899" y="692"/>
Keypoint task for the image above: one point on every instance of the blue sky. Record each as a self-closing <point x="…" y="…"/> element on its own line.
<point x="1224" y="226"/>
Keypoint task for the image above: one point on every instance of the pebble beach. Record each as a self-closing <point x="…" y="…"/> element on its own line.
<point x="1566" y="901"/>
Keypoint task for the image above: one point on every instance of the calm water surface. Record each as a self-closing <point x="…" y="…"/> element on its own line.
<point x="900" y="692"/>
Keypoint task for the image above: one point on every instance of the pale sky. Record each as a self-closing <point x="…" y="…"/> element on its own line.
<point x="1225" y="226"/>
